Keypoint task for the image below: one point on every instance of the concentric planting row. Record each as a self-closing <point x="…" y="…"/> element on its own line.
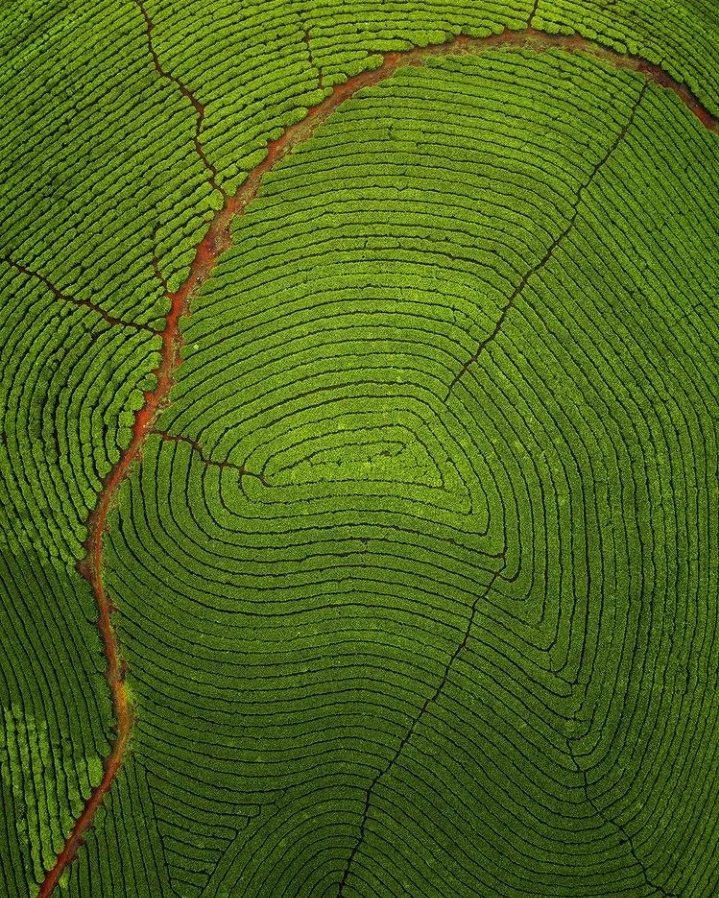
<point x="415" y="579"/>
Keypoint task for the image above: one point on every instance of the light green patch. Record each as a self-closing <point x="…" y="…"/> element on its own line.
<point x="94" y="769"/>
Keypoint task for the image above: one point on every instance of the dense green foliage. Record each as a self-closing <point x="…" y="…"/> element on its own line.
<point x="298" y="664"/>
<point x="54" y="712"/>
<point x="418" y="585"/>
<point x="680" y="35"/>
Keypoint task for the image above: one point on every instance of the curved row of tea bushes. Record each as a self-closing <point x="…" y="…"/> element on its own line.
<point x="404" y="638"/>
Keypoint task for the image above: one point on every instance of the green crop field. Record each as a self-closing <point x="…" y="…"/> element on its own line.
<point x="359" y="449"/>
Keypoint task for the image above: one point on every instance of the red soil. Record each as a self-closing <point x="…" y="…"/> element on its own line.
<point x="216" y="240"/>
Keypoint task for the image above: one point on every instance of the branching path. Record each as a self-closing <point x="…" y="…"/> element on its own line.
<point x="215" y="241"/>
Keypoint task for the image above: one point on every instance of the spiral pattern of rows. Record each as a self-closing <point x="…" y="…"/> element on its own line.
<point x="415" y="579"/>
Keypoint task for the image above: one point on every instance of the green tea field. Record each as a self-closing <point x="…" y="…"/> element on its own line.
<point x="359" y="449"/>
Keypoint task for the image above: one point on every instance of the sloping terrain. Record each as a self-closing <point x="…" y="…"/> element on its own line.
<point x="367" y="397"/>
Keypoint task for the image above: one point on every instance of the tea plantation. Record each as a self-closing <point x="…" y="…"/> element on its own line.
<point x="359" y="446"/>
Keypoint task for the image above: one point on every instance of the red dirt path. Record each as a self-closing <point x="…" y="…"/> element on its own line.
<point x="215" y="242"/>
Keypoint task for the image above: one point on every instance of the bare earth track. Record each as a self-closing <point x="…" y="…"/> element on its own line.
<point x="216" y="240"/>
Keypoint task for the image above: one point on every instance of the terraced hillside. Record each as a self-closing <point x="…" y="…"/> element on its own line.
<point x="359" y="398"/>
